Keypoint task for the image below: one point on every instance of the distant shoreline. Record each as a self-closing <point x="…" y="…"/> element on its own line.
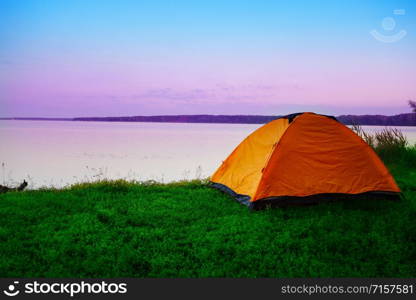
<point x="408" y="119"/>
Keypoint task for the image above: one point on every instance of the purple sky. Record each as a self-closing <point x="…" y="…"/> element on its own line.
<point x="111" y="58"/>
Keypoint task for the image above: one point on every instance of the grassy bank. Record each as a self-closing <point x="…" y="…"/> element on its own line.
<point x="121" y="229"/>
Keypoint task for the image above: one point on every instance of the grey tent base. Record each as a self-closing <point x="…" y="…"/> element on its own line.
<point x="282" y="201"/>
<point x="243" y="199"/>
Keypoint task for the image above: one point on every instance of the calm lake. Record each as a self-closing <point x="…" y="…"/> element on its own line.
<point x="60" y="153"/>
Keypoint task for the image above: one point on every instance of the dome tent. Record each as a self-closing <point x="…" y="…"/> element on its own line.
<point x="303" y="158"/>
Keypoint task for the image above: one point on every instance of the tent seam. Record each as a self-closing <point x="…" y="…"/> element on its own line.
<point x="275" y="146"/>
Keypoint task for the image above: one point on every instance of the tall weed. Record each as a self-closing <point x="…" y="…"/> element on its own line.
<point x="390" y="144"/>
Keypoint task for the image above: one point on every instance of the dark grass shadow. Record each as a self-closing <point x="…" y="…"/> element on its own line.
<point x="365" y="201"/>
<point x="370" y="204"/>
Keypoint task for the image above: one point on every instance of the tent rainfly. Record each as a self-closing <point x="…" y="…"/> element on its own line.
<point x="303" y="158"/>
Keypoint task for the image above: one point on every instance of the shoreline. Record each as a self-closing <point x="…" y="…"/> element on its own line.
<point x="405" y="119"/>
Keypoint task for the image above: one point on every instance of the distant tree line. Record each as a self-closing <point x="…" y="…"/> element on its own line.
<point x="397" y="120"/>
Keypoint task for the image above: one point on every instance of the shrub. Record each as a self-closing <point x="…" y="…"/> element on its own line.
<point x="390" y="144"/>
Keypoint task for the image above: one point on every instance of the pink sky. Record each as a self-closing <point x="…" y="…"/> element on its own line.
<point x="58" y="63"/>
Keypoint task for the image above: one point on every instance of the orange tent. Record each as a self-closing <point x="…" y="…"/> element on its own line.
<point x="302" y="158"/>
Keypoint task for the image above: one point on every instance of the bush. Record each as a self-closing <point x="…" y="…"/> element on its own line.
<point x="390" y="144"/>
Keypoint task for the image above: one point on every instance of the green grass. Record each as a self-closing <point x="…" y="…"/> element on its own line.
<point x="121" y="229"/>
